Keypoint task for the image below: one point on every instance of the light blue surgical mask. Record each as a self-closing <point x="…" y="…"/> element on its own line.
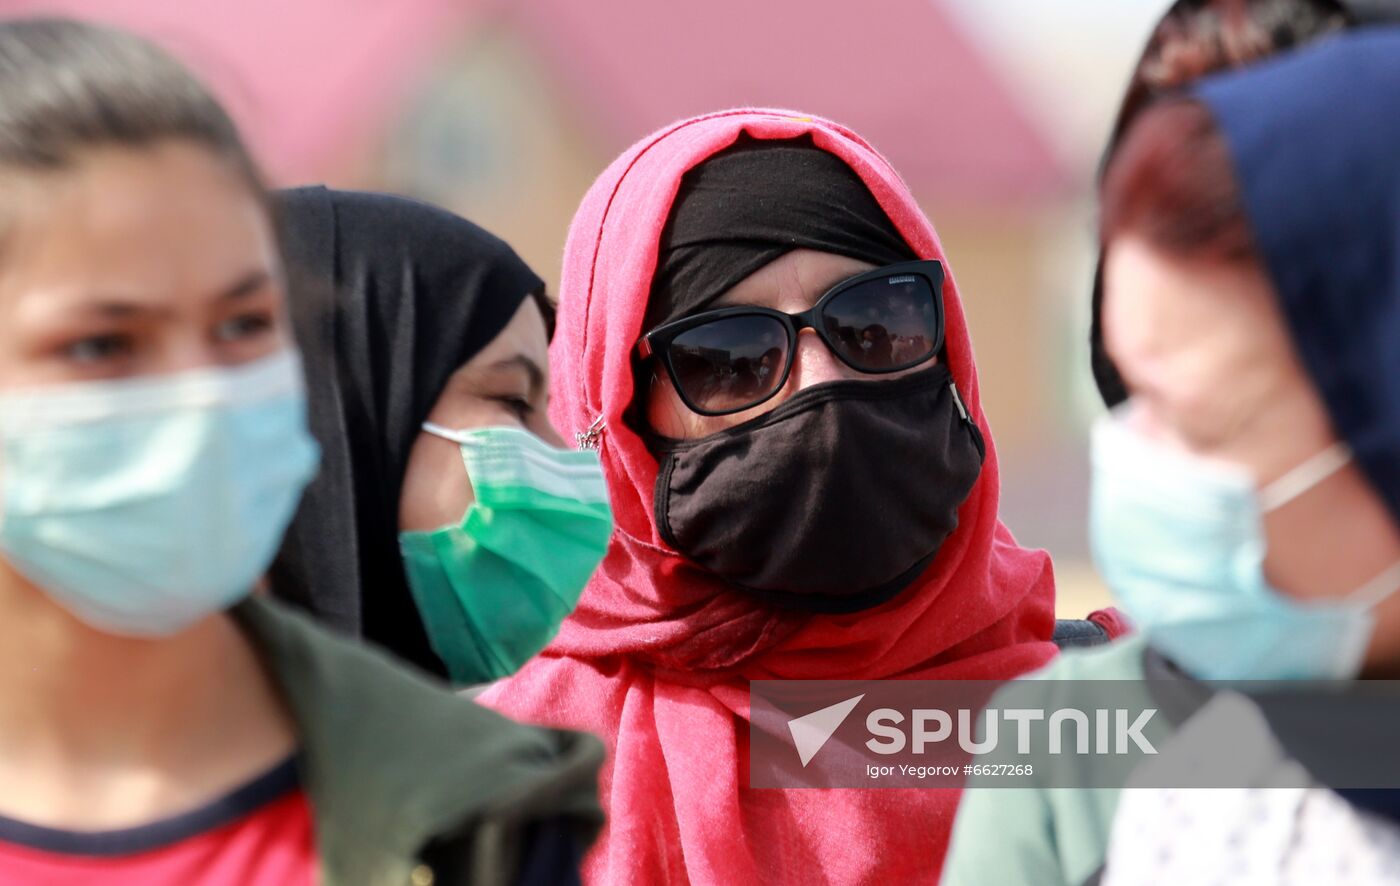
<point x="143" y="505"/>
<point x="1180" y="542"/>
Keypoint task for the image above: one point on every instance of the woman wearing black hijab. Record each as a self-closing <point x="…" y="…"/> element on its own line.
<point x="416" y="326"/>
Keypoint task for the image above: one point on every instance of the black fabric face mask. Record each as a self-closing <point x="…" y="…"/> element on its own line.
<point x="833" y="502"/>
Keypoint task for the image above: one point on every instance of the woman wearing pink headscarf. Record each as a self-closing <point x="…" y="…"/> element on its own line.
<point x="792" y="503"/>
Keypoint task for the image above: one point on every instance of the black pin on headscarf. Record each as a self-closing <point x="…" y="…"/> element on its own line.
<point x="754" y="202"/>
<point x="389" y="298"/>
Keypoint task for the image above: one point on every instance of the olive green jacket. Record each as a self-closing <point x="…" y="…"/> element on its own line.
<point x="399" y="771"/>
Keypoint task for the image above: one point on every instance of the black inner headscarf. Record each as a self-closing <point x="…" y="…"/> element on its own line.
<point x="757" y="201"/>
<point x="389" y="297"/>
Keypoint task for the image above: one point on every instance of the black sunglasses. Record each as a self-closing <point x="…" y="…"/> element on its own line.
<point x="731" y="359"/>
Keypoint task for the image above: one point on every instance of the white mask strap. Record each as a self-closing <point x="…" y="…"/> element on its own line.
<point x="445" y="433"/>
<point x="1304" y="477"/>
<point x="1373" y="592"/>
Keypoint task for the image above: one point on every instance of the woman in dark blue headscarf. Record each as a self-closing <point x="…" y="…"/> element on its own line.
<point x="1195" y="38"/>
<point x="1246" y="500"/>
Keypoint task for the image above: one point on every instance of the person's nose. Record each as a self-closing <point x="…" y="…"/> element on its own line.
<point x="185" y="352"/>
<point x="814" y="364"/>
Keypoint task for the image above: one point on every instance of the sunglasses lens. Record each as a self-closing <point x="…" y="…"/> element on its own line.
<point x="731" y="363"/>
<point x="884" y="325"/>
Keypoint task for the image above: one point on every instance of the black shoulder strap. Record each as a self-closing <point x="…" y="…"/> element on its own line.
<point x="1072" y="633"/>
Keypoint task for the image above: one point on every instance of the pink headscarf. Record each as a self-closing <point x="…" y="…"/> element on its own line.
<point x="657" y="657"/>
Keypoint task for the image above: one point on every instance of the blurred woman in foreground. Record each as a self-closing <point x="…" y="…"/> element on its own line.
<point x="1246" y="497"/>
<point x="158" y="723"/>
<point x="1198" y="37"/>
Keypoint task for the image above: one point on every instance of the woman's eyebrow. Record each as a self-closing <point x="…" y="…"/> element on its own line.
<point x="119" y="307"/>
<point x="115" y="308"/>
<point x="246" y="285"/>
<point x="521" y="362"/>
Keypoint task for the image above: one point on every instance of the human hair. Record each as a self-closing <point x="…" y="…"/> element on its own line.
<point x="549" y="312"/>
<point x="68" y="87"/>
<point x="1172" y="183"/>
<point x="1193" y="39"/>
<point x="1200" y="37"/>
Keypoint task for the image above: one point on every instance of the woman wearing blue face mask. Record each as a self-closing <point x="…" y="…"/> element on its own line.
<point x="1195" y="38"/>
<point x="1246" y="498"/>
<point x="448" y="524"/>
<point x="158" y="724"/>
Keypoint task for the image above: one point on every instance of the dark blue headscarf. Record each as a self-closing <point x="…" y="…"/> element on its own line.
<point x="1315" y="141"/>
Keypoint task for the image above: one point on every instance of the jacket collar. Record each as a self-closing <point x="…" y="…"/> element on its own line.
<point x="392" y="762"/>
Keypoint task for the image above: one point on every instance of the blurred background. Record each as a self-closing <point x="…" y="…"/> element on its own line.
<point x="505" y="111"/>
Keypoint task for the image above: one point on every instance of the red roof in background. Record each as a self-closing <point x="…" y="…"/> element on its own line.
<point x="307" y="78"/>
<point x="899" y="72"/>
<point x="304" y="78"/>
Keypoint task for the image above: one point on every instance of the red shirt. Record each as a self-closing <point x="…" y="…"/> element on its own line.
<point x="259" y="835"/>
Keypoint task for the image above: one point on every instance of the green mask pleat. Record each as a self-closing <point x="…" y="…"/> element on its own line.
<point x="493" y="590"/>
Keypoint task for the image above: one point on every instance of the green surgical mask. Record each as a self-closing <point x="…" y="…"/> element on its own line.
<point x="493" y="589"/>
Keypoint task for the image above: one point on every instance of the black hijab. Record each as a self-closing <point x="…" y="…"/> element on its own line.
<point x="389" y="298"/>
<point x="755" y="202"/>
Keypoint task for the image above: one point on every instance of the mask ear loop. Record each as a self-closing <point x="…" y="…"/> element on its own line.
<point x="1308" y="475"/>
<point x="1377" y="590"/>
<point x="1304" y="477"/>
<point x="445" y="433"/>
